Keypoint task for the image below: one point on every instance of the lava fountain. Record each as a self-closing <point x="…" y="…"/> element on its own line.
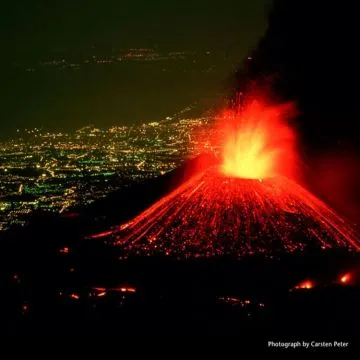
<point x="249" y="204"/>
<point x="259" y="143"/>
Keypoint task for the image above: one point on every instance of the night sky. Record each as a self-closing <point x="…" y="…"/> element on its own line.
<point x="36" y="30"/>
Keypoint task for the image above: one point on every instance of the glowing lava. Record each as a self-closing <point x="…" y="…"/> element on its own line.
<point x="307" y="284"/>
<point x="244" y="206"/>
<point x="345" y="279"/>
<point x="259" y="143"/>
<point x="212" y="214"/>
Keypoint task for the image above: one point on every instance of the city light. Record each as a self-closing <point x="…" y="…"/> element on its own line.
<point x="76" y="169"/>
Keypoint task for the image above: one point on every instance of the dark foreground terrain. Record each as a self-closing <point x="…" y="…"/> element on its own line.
<point x="56" y="293"/>
<point x="57" y="287"/>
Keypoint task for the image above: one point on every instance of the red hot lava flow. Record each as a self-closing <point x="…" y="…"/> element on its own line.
<point x="249" y="204"/>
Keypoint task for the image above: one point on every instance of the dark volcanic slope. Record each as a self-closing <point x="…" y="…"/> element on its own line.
<point x="126" y="203"/>
<point x="215" y="215"/>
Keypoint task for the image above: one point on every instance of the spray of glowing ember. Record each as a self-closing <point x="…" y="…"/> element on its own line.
<point x="259" y="143"/>
<point x="243" y="206"/>
<point x="212" y="215"/>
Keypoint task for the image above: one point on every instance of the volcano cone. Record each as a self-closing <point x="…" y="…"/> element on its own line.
<point x="213" y="214"/>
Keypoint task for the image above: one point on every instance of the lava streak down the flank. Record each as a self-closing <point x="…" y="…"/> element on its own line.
<point x="213" y="214"/>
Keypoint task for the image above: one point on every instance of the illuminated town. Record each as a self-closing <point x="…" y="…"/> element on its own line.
<point x="59" y="171"/>
<point x="63" y="61"/>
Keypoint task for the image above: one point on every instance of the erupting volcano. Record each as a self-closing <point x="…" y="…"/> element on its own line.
<point x="248" y="204"/>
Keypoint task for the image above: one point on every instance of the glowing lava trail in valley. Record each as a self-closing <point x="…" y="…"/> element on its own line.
<point x="247" y="205"/>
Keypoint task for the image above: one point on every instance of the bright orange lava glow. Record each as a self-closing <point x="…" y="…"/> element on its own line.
<point x="307" y="284"/>
<point x="124" y="289"/>
<point x="121" y="289"/>
<point x="345" y="278"/>
<point x="64" y="250"/>
<point x="258" y="142"/>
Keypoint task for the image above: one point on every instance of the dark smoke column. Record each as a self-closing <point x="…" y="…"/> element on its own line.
<point x="310" y="53"/>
